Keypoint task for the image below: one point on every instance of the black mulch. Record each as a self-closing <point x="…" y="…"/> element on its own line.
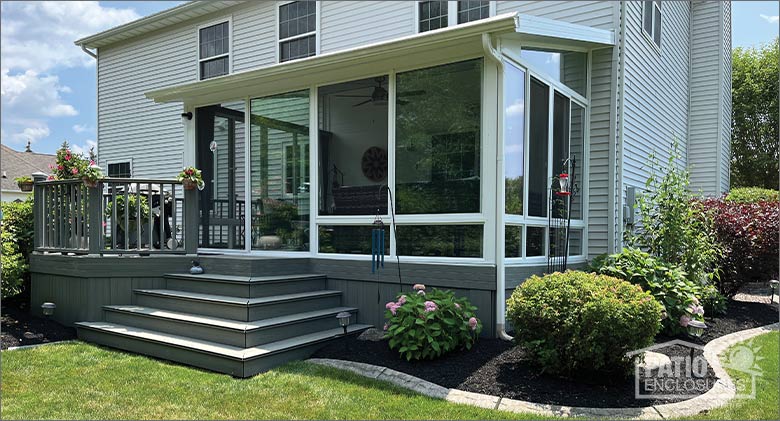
<point x="19" y="327"/>
<point x="495" y="367"/>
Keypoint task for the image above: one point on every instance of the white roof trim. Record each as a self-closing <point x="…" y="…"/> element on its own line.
<point x="465" y="38"/>
<point x="159" y="20"/>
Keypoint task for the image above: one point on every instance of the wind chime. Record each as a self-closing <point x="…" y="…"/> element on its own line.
<point x="559" y="216"/>
<point x="377" y="244"/>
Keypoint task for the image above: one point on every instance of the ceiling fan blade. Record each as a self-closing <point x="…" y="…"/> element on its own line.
<point x="364" y="102"/>
<point x="352" y="96"/>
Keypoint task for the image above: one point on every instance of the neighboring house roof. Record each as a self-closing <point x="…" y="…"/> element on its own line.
<point x="17" y="164"/>
<point x="159" y="20"/>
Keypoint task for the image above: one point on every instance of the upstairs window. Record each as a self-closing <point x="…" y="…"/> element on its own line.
<point x="119" y="170"/>
<point x="297" y="30"/>
<point x="214" y="54"/>
<point x="651" y="20"/>
<point x="433" y="15"/>
<point x="472" y="10"/>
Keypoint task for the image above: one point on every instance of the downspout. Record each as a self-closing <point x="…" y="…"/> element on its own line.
<point x="84" y="49"/>
<point x="492" y="54"/>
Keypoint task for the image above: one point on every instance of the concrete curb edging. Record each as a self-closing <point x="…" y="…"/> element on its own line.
<point x="21" y="347"/>
<point x="722" y="392"/>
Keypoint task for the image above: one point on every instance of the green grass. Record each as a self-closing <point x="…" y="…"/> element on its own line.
<point x="766" y="405"/>
<point x="79" y="381"/>
<point x="82" y="381"/>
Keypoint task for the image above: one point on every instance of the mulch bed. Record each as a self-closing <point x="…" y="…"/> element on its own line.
<point x="499" y="368"/>
<point x="19" y="327"/>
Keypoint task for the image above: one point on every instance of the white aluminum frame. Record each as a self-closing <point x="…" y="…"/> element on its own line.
<point x="316" y="32"/>
<point x="452" y="14"/>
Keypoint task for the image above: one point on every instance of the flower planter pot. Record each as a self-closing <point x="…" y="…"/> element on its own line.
<point x="189" y="184"/>
<point x="25" y="186"/>
<point x="90" y="183"/>
<point x="270" y="242"/>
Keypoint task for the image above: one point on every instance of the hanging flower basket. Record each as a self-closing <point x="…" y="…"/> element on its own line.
<point x="191" y="179"/>
<point x="189" y="184"/>
<point x="25" y="183"/>
<point x="90" y="183"/>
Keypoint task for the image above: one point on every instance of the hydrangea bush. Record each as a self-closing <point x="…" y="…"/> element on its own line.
<point x="428" y="324"/>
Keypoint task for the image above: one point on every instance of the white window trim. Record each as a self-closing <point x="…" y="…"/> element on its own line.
<point x="120" y="161"/>
<point x="316" y="32"/>
<point x="229" y="54"/>
<point x="651" y="36"/>
<point x="452" y="14"/>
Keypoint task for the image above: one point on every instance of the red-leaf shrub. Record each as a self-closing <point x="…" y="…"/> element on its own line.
<point x="750" y="236"/>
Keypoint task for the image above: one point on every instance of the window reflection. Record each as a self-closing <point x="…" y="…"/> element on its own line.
<point x="440" y="240"/>
<point x="514" y="138"/>
<point x="568" y="67"/>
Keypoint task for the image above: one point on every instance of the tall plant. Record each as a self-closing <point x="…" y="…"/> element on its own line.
<point x="673" y="226"/>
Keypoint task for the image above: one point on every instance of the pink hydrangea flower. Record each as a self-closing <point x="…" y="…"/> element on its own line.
<point x="420" y="292"/>
<point x="430" y="306"/>
<point x="473" y="323"/>
<point x="696" y="309"/>
<point x="419" y="287"/>
<point x="402" y="300"/>
<point x="388" y="305"/>
<point x="684" y="320"/>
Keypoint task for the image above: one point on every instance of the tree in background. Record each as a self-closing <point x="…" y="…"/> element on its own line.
<point x="754" y="136"/>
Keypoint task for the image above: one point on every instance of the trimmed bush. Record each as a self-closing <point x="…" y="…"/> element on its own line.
<point x="748" y="234"/>
<point x="426" y="325"/>
<point x="17" y="245"/>
<point x="679" y="296"/>
<point x="752" y="195"/>
<point x="577" y="323"/>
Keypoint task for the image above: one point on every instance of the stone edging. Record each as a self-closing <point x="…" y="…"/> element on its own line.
<point x="719" y="395"/>
<point x="21" y="347"/>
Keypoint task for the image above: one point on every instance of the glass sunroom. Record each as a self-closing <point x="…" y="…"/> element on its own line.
<point x="455" y="139"/>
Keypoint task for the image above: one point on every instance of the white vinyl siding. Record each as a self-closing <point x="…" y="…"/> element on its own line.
<point x="725" y="123"/>
<point x="655" y="102"/>
<point x="254" y="35"/>
<point x="347" y="24"/>
<point x="598" y="14"/>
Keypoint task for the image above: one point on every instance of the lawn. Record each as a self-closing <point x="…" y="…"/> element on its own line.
<point x="81" y="381"/>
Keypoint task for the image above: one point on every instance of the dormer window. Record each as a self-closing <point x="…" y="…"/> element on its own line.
<point x="297" y="30"/>
<point x="214" y="50"/>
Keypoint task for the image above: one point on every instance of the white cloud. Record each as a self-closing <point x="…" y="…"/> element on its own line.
<point x="84" y="148"/>
<point x="771" y="19"/>
<point x="29" y="94"/>
<point x="516" y="109"/>
<point x="81" y="128"/>
<point x="30" y="134"/>
<point x="39" y="36"/>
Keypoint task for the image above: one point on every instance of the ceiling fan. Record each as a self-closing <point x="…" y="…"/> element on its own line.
<point x="379" y="95"/>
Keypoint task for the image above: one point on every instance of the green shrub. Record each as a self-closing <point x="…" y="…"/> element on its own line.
<point x="679" y="296"/>
<point x="581" y="323"/>
<point x="752" y="195"/>
<point x="17" y="245"/>
<point x="674" y="227"/>
<point x="428" y="325"/>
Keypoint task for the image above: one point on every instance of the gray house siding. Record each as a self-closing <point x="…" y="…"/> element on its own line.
<point x="590" y="13"/>
<point x="655" y="100"/>
<point x="347" y="24"/>
<point x="725" y="122"/>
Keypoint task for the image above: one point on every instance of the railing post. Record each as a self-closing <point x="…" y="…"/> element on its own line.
<point x="191" y="221"/>
<point x="37" y="209"/>
<point x="95" y="218"/>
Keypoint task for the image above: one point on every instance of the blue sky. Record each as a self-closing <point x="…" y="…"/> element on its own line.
<point x="48" y="84"/>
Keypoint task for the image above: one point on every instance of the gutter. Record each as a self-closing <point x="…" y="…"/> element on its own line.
<point x="86" y="50"/>
<point x="493" y="55"/>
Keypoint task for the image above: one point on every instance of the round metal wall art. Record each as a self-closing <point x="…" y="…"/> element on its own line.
<point x="374" y="163"/>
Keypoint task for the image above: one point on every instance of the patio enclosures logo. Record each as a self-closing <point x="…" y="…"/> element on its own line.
<point x="677" y="370"/>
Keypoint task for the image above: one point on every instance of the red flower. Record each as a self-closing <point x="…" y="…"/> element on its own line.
<point x="60" y="167"/>
<point x="75" y="170"/>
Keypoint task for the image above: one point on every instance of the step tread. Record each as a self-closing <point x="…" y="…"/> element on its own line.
<point x="226" y="299"/>
<point x="226" y="323"/>
<point x="242" y="279"/>
<point x="215" y="348"/>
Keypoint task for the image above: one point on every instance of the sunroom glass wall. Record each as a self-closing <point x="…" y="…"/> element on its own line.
<point x="280" y="172"/>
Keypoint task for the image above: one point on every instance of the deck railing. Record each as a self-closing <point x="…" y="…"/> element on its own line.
<point x="118" y="216"/>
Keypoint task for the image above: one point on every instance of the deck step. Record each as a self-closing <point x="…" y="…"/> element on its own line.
<point x="237" y="308"/>
<point x="225" y="331"/>
<point x="245" y="286"/>
<point x="236" y="361"/>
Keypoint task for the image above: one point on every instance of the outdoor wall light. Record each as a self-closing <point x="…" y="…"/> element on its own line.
<point x="696" y="328"/>
<point x="186" y="116"/>
<point x="48" y="309"/>
<point x="343" y="318"/>
<point x="774" y="285"/>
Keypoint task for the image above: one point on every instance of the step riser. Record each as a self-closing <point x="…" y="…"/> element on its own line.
<point x="166" y="352"/>
<point x="238" y="312"/>
<point x="266" y="289"/>
<point x="197" y="331"/>
<point x="223" y="336"/>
